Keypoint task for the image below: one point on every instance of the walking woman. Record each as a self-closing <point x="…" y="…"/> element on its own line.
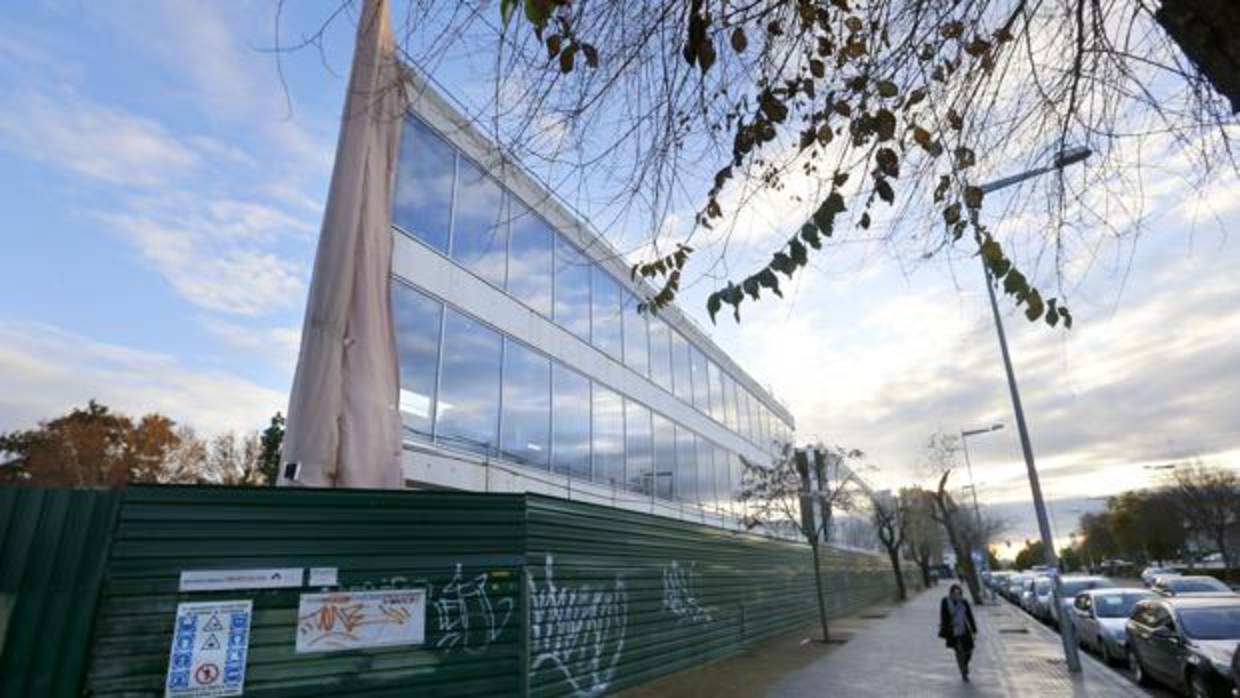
<point x="957" y="627"/>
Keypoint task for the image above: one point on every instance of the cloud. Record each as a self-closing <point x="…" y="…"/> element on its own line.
<point x="277" y="345"/>
<point x="243" y="280"/>
<point x="45" y="371"/>
<point x="94" y="140"/>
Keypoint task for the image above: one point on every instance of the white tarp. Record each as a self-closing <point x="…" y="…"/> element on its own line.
<point x="343" y="424"/>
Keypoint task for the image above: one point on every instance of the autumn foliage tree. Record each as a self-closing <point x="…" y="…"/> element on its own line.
<point x="98" y="447"/>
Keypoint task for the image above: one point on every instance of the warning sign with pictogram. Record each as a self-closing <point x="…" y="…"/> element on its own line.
<point x="210" y="640"/>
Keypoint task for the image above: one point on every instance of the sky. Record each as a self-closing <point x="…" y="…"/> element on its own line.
<point x="165" y="185"/>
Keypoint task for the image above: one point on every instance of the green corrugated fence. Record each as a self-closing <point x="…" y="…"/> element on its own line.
<point x="526" y="595"/>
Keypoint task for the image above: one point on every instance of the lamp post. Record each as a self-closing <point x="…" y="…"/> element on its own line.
<point x="977" y="511"/>
<point x="1066" y="632"/>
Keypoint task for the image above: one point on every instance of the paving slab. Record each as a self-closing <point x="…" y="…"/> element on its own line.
<point x="901" y="655"/>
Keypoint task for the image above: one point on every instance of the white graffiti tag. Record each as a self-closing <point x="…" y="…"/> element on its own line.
<point x="578" y="631"/>
<point x="679" y="597"/>
<point x="463" y="604"/>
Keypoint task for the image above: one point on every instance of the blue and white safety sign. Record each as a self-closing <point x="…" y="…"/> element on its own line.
<point x="210" y="642"/>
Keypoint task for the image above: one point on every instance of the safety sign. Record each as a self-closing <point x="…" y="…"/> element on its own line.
<point x="209" y="645"/>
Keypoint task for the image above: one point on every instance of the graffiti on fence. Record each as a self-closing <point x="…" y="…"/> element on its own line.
<point x="680" y="594"/>
<point x="463" y="604"/>
<point x="578" y="631"/>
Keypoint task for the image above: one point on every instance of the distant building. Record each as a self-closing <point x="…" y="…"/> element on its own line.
<point x="524" y="364"/>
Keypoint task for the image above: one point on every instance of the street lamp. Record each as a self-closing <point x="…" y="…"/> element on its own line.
<point x="977" y="512"/>
<point x="1066" y="633"/>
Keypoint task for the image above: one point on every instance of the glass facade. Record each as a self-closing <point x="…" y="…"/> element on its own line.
<point x="466" y="386"/>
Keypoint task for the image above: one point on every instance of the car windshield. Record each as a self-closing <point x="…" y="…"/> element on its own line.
<point x="1116" y="605"/>
<point x="1043" y="586"/>
<point x="1211" y="623"/>
<point x="1072" y="587"/>
<point x="1191" y="585"/>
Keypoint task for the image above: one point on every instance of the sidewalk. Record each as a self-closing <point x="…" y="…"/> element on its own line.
<point x="900" y="655"/>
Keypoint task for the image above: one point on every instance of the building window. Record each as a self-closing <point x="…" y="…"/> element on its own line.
<point x="664" y="457"/>
<point x="682" y="373"/>
<point x="706" y="472"/>
<point x="479" y="229"/>
<point x="422" y="200"/>
<point x="469" y="385"/>
<point x="742" y="412"/>
<point x="636" y="336"/>
<point x="661" y="353"/>
<point x="701" y="391"/>
<point x="526" y="422"/>
<point x="715" y="388"/>
<point x="729" y="403"/>
<point x="605" y="315"/>
<point x="723" y="480"/>
<point x="738" y="483"/>
<point x="572" y="289"/>
<point x="570" y="422"/>
<point x="531" y="257"/>
<point x="686" y="465"/>
<point x="638" y="448"/>
<point x="417" y="319"/>
<point x="608" y="436"/>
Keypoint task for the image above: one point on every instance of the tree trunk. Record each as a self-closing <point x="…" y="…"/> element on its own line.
<point x="964" y="561"/>
<point x="822" y="606"/>
<point x="925" y="573"/>
<point x="1205" y="30"/>
<point x="899" y="573"/>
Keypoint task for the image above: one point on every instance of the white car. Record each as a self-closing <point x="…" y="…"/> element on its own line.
<point x="1069" y="587"/>
<point x="1149" y="574"/>
<point x="1100" y="617"/>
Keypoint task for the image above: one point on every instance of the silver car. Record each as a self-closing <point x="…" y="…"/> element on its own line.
<point x="1100" y="615"/>
<point x="1069" y="587"/>
<point x="1189" y="585"/>
<point x="1042" y="598"/>
<point x="1149" y="574"/>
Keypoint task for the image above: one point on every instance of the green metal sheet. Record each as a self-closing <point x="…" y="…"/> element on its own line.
<point x="53" y="545"/>
<point x="617" y="598"/>
<point x="464" y="549"/>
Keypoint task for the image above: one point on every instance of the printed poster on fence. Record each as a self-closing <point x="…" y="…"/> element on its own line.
<point x="352" y="620"/>
<point x="209" y="645"/>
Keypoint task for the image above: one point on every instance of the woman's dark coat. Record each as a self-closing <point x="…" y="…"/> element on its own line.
<point x="945" y="622"/>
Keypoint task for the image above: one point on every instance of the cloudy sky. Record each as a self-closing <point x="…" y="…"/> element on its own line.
<point x="163" y="198"/>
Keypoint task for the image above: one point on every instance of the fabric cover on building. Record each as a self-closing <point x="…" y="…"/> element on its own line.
<point x="343" y="424"/>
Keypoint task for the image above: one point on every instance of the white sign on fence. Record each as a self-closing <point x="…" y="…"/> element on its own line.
<point x="351" y="620"/>
<point x="209" y="645"/>
<point x="220" y="580"/>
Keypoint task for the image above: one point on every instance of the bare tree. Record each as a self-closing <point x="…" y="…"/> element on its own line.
<point x="653" y="111"/>
<point x="1209" y="499"/>
<point x="924" y="540"/>
<point x="800" y="491"/>
<point x="942" y="454"/>
<point x="891" y="521"/>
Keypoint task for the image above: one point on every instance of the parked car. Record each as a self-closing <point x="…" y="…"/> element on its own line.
<point x="1150" y="573"/>
<point x="1186" y="642"/>
<point x="1028" y="593"/>
<point x="1042" y="598"/>
<point x="1100" y="617"/>
<point x="1015" y="586"/>
<point x="1069" y="587"/>
<point x="1186" y="585"/>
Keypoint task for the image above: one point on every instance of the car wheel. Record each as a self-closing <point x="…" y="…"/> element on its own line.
<point x="1105" y="654"/>
<point x="1137" y="669"/>
<point x="1197" y="687"/>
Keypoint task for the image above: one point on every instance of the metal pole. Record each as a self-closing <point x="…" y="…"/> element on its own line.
<point x="977" y="514"/>
<point x="1066" y="631"/>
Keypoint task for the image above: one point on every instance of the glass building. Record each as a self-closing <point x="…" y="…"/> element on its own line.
<point x="524" y="363"/>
